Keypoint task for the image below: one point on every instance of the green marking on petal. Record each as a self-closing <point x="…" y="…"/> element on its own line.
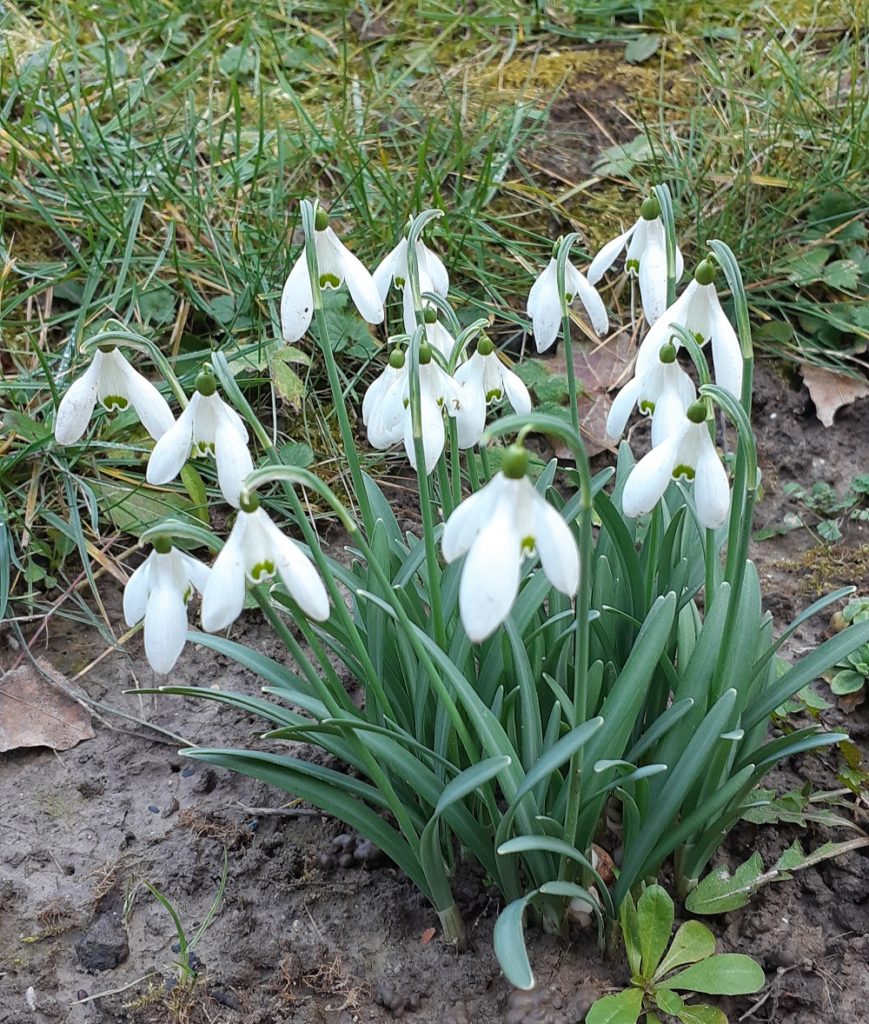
<point x="646" y="407"/>
<point x="262" y="571"/>
<point x="568" y="298"/>
<point x="329" y="281"/>
<point x="188" y="593"/>
<point x="528" y="545"/>
<point x="203" y="448"/>
<point x="495" y="395"/>
<point x="632" y="266"/>
<point x="683" y="470"/>
<point x="111" y="402"/>
<point x="399" y="282"/>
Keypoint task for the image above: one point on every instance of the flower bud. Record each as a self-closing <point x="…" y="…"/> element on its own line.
<point x="514" y="465"/>
<point x="668" y="353"/>
<point x="651" y="208"/>
<point x="321" y="219"/>
<point x="705" y="272"/>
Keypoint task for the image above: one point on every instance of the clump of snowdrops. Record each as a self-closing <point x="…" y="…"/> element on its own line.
<point x="549" y="653"/>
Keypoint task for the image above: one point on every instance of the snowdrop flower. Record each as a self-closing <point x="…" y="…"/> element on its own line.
<point x="208" y="426"/>
<point x="383" y="406"/>
<point x="112" y="381"/>
<point x="485" y="379"/>
<point x="544" y="303"/>
<point x="158" y="592"/>
<point x="687" y="452"/>
<point x="335" y="264"/>
<point x="646" y="259"/>
<point x="433" y="276"/>
<point x="499" y="526"/>
<point x="436" y="335"/>
<point x="698" y="310"/>
<point x="256" y="550"/>
<point x="664" y="393"/>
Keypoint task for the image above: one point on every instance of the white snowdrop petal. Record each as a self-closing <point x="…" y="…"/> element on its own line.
<point x="637" y="243"/>
<point x="433" y="266"/>
<point x="589" y="298"/>
<point x="196" y="572"/>
<point x="726" y="352"/>
<point x="77" y="405"/>
<point x="607" y="256"/>
<point x="223" y="597"/>
<point x="680" y="265"/>
<point x="711" y="488"/>
<point x="669" y="415"/>
<point x="653" y="273"/>
<point x="649" y="352"/>
<point x="517" y="393"/>
<point x="556" y="547"/>
<point x="440" y="338"/>
<point x="300" y="577"/>
<point x="165" y="623"/>
<point x="385" y="418"/>
<point x="384" y="272"/>
<point x="490" y="576"/>
<point x="234" y="463"/>
<point x="136" y="593"/>
<point x="622" y="407"/>
<point x="173" y="449"/>
<point x="471" y="415"/>
<point x="544" y="308"/>
<point x="151" y="407"/>
<point x="297" y="301"/>
<point x="468" y="519"/>
<point x="649" y="478"/>
<point x="433" y="435"/>
<point x="376" y="390"/>
<point x="361" y="286"/>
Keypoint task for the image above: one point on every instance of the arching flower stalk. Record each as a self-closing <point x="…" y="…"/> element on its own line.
<point x="208" y="426"/>
<point x="646" y="259"/>
<point x="111" y="381"/>
<point x="158" y="592"/>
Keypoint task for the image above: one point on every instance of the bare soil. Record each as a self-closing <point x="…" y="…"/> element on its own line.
<point x="299" y="937"/>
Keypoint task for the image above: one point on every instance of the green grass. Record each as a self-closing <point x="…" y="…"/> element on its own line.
<point x="151" y="167"/>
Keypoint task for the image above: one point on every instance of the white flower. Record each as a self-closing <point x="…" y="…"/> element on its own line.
<point x="433" y="275"/>
<point x="256" y="550"/>
<point x="688" y="452"/>
<point x="544" y="303"/>
<point x="499" y="526"/>
<point x="116" y="385"/>
<point x="485" y="379"/>
<point x="646" y="258"/>
<point x="208" y="426"/>
<point x="158" y="592"/>
<point x="698" y="310"/>
<point x="336" y="264"/>
<point x="384" y="403"/>
<point x="664" y="393"/>
<point x="436" y="335"/>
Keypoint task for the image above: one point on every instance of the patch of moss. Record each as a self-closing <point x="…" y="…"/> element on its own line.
<point x="822" y="568"/>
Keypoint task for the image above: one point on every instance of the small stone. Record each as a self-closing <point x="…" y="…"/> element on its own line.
<point x="30" y="999"/>
<point x="170" y="808"/>
<point x="346" y="860"/>
<point x="206" y="782"/>
<point x="368" y="854"/>
<point x="105" y="944"/>
<point x="343" y="842"/>
<point x="326" y="861"/>
<point x="153" y="808"/>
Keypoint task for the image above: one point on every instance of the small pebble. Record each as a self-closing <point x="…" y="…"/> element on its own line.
<point x="170" y="808"/>
<point x="153" y="808"/>
<point x="343" y="842"/>
<point x="346" y="860"/>
<point x="206" y="781"/>
<point x="30" y="999"/>
<point x="81" y="994"/>
<point x="326" y="861"/>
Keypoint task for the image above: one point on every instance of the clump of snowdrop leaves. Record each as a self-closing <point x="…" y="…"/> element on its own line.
<point x="255" y="551"/>
<point x="111" y="381"/>
<point x="208" y="426"/>
<point x="158" y="592"/>
<point x="336" y="266"/>
<point x="545" y="304"/>
<point x="499" y="527"/>
<point x="687" y="452"/>
<point x="646" y="259"/>
<point x="698" y="310"/>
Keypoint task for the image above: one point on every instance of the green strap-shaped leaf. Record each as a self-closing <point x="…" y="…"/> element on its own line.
<point x="509" y="942"/>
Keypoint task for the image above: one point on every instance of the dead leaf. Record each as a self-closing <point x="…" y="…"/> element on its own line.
<point x="830" y="391"/>
<point x="36" y="710"/>
<point x="427" y="936"/>
<point x="600" y="367"/>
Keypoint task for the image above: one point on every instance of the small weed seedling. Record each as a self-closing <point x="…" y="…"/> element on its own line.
<point x="851" y="674"/>
<point x="655" y="980"/>
<point x="188" y="963"/>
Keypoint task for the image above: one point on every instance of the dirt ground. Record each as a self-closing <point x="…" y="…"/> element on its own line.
<point x="299" y="938"/>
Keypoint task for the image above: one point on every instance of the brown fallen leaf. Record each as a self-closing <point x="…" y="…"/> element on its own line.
<point x="427" y="936"/>
<point x="35" y="710"/>
<point x="601" y="367"/>
<point x="830" y="391"/>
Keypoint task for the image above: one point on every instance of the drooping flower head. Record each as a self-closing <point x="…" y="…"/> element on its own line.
<point x="698" y="310"/>
<point x="486" y="379"/>
<point x="646" y="259"/>
<point x="335" y="266"/>
<point x="500" y="526"/>
<point x="664" y="393"/>
<point x="158" y="592"/>
<point x="208" y="426"/>
<point x="111" y="381"/>
<point x="689" y="453"/>
<point x="433" y="276"/>
<point x="544" y="303"/>
<point x="254" y="552"/>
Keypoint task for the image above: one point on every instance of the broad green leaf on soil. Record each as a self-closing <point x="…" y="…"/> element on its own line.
<point x="622" y="1008"/>
<point x="843" y="274"/>
<point x="725" y="974"/>
<point x="655" y="918"/>
<point x="795" y="808"/>
<point x="668" y="1001"/>
<point x="692" y="942"/>
<point x="720" y="891"/>
<point x="288" y="384"/>
<point x="133" y="510"/>
<point x="701" y="1014"/>
<point x="642" y="47"/>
